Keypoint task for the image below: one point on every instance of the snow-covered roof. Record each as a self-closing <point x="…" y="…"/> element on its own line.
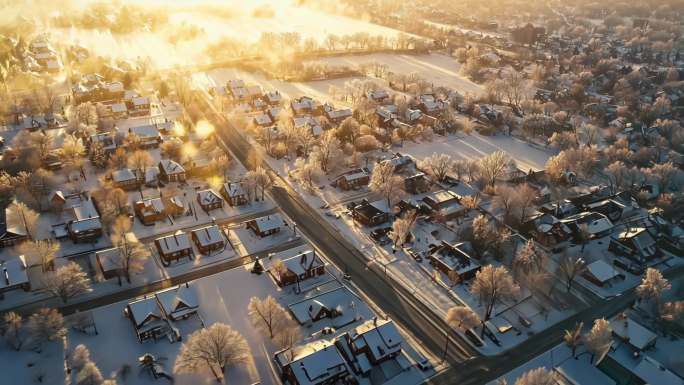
<point x="170" y="167"/>
<point x="601" y="270"/>
<point x="341" y="300"/>
<point x="316" y="362"/>
<point x="145" y="312"/>
<point x="146" y="131"/>
<point x="596" y="222"/>
<point x="13" y="272"/>
<point x="263" y="120"/>
<point x="637" y="335"/>
<point x="178" y="301"/>
<point x="380" y="336"/>
<point x="151" y="206"/>
<point x="123" y="175"/>
<point x="234" y="189"/>
<point x="303" y="262"/>
<point x="208" y="197"/>
<point x="108" y="258"/>
<point x="85" y="225"/>
<point x="208" y="235"/>
<point x="174" y="243"/>
<point x="119" y="107"/>
<point x="140" y="101"/>
<point x="269" y="222"/>
<point x="653" y="372"/>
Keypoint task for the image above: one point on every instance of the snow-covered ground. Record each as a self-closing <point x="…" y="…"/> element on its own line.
<point x="222" y="298"/>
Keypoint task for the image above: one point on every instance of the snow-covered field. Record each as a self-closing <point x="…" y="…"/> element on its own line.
<point x="235" y="21"/>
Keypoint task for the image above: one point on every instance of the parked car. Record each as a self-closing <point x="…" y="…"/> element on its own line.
<point x="379" y="236"/>
<point x="424" y="364"/>
<point x="414" y="254"/>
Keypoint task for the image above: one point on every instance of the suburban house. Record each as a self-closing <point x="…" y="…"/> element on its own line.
<point x="108" y="262"/>
<point x="454" y="261"/>
<point x="267" y="225"/>
<point x="336" y="115"/>
<point x="174" y="247"/>
<point x="11" y="233"/>
<point x="400" y="162"/>
<point x="273" y="98"/>
<point x="445" y="204"/>
<point x="139" y="106"/>
<point x="316" y="363"/>
<point x="637" y="244"/>
<point x="178" y="302"/>
<point x="369" y="214"/>
<point x="208" y="239"/>
<point x="338" y="306"/>
<point x="85" y="225"/>
<point x="371" y="343"/>
<point x="597" y="224"/>
<point x="379" y="96"/>
<point x="14" y="275"/>
<point x="546" y="229"/>
<point x="300" y="267"/>
<point x="154" y="210"/>
<point x="125" y="179"/>
<point x="631" y="332"/>
<point x="146" y="136"/>
<point x="234" y="193"/>
<point x="600" y="273"/>
<point x="417" y="183"/>
<point x="209" y="200"/>
<point x="352" y="179"/>
<point x="171" y="171"/>
<point x="148" y="320"/>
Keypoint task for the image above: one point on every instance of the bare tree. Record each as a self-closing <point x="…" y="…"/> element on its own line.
<point x="46" y="325"/>
<point x="538" y="376"/>
<point x="13" y="330"/>
<point x="492" y="285"/>
<point x="493" y="166"/>
<point x="652" y="287"/>
<point x="263" y="180"/>
<point x="216" y="347"/>
<point x="288" y="335"/>
<point x="616" y="173"/>
<point x="662" y="174"/>
<point x="401" y="228"/>
<point x="18" y="212"/>
<point x="384" y="182"/>
<point x="67" y="281"/>
<point x="307" y="173"/>
<point x="573" y="337"/>
<point x="41" y="252"/>
<point x="569" y="267"/>
<point x="599" y="338"/>
<point x="266" y="314"/>
<point x="132" y="254"/>
<point x="437" y="165"/>
<point x="139" y="161"/>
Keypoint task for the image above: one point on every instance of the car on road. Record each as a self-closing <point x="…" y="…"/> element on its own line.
<point x="424" y="364"/>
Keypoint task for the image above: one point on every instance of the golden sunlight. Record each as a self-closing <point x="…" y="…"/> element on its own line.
<point x="203" y="129"/>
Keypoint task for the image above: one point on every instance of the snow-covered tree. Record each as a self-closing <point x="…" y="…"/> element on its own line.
<point x="401" y="228"/>
<point x="652" y="286"/>
<point x="494" y="165"/>
<point x="462" y="318"/>
<point x="569" y="267"/>
<point x="307" y="173"/>
<point x="41" y="252"/>
<point x="529" y="259"/>
<point x="384" y="182"/>
<point x="80" y="357"/>
<point x="89" y="374"/>
<point x="266" y="314"/>
<point x="278" y="268"/>
<point x="288" y="335"/>
<point x="599" y="338"/>
<point x="46" y="325"/>
<point x="538" y="376"/>
<point x="216" y="347"/>
<point x="67" y="281"/>
<point x="14" y="325"/>
<point x="328" y="151"/>
<point x="132" y="254"/>
<point x="18" y="212"/>
<point x="263" y="180"/>
<point x="573" y="337"/>
<point x="492" y="285"/>
<point x="437" y="165"/>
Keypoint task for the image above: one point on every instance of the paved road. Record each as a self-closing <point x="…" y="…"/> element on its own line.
<point x="133" y="292"/>
<point x="392" y="298"/>
<point x="467" y="366"/>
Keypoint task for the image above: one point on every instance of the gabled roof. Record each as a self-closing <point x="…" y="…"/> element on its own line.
<point x="628" y="329"/>
<point x="170" y="167"/>
<point x="380" y="336"/>
<point x="208" y="235"/>
<point x="233" y="189"/>
<point x="144" y="310"/>
<point x="208" y="197"/>
<point x="303" y="262"/>
<point x="317" y="361"/>
<point x="174" y="243"/>
<point x="178" y="300"/>
<point x="601" y="270"/>
<point x="269" y="222"/>
<point x="13" y="272"/>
